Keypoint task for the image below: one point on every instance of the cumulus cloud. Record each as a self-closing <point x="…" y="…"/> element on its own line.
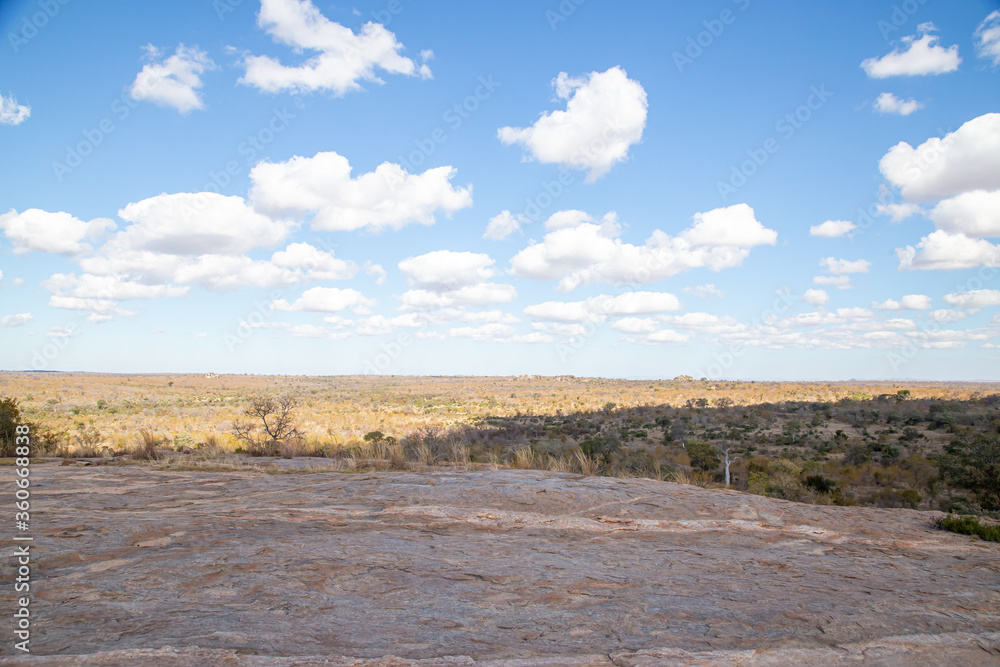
<point x="503" y="225"/>
<point x="389" y="197"/>
<point x="16" y="320"/>
<point x="376" y="271"/>
<point x="816" y="297"/>
<point x="889" y="103"/>
<point x="949" y="315"/>
<point x="470" y="295"/>
<point x="605" y="115"/>
<point x="599" y="308"/>
<point x="705" y="291"/>
<point x="941" y="250"/>
<point x="980" y="298"/>
<point x="327" y="300"/>
<point x="908" y="302"/>
<point x="964" y="160"/>
<point x="843" y="266"/>
<point x="175" y="82"/>
<point x="832" y="229"/>
<point x="897" y="212"/>
<point x="343" y="58"/>
<point x="988" y="38"/>
<point x="444" y="270"/>
<point x="196" y="224"/>
<point x="920" y="56"/>
<point x="975" y="214"/>
<point x="317" y="264"/>
<point x="589" y="252"/>
<point x="840" y="282"/>
<point x="12" y="113"/>
<point x="59" y="233"/>
<point x="488" y="333"/>
<point x="443" y="279"/>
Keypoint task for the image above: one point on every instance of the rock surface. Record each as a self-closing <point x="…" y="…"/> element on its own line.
<point x="499" y="568"/>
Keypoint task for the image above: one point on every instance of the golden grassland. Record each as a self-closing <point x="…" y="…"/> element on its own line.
<point x="189" y="408"/>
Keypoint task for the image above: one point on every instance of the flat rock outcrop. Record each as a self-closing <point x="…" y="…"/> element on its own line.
<point x="498" y="568"/>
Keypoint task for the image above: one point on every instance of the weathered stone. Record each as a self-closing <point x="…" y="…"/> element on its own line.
<point x="499" y="568"/>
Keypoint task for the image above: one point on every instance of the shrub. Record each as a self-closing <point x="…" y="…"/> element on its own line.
<point x="969" y="525"/>
<point x="703" y="455"/>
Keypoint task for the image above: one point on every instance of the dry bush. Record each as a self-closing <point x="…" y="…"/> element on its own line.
<point x="146" y="449"/>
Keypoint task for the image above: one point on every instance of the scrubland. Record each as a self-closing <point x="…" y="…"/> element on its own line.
<point x="902" y="444"/>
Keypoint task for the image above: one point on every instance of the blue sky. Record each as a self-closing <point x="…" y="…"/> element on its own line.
<point x="729" y="189"/>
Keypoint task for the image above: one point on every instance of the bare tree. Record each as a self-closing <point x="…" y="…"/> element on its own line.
<point x="266" y="423"/>
<point x="728" y="461"/>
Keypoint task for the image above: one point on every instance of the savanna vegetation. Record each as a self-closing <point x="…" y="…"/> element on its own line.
<point x="913" y="445"/>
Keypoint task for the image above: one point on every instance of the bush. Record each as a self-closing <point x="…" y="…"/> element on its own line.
<point x="10" y="419"/>
<point x="969" y="525"/>
<point x="703" y="455"/>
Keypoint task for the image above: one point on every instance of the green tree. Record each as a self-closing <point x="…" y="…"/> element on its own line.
<point x="703" y="455"/>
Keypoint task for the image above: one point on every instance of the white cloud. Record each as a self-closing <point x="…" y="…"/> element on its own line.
<point x="840" y="282"/>
<point x="897" y="212"/>
<point x="470" y="295"/>
<point x="908" y="302"/>
<point x="343" y="58"/>
<point x="975" y="214"/>
<point x="196" y="224"/>
<point x="388" y="197"/>
<point x="666" y="336"/>
<point x="842" y="266"/>
<point x="980" y="298"/>
<point x="489" y="333"/>
<point x="503" y="225"/>
<point x="327" y="300"/>
<point x="605" y="115"/>
<point x="59" y="233"/>
<point x="719" y="239"/>
<point x="316" y="264"/>
<point x="378" y="325"/>
<point x="949" y="315"/>
<point x="102" y="309"/>
<point x="566" y="219"/>
<point x="919" y="57"/>
<point x="89" y="286"/>
<point x="988" y="38"/>
<point x="599" y="308"/>
<point x="889" y="103"/>
<point x="16" y="320"/>
<point x="444" y="270"/>
<point x="816" y="297"/>
<point x="376" y="271"/>
<point x="832" y="228"/>
<point x="705" y="291"/>
<point x="966" y="159"/>
<point x="12" y="113"/>
<point x="176" y="82"/>
<point x="944" y="251"/>
<point x="636" y="325"/>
